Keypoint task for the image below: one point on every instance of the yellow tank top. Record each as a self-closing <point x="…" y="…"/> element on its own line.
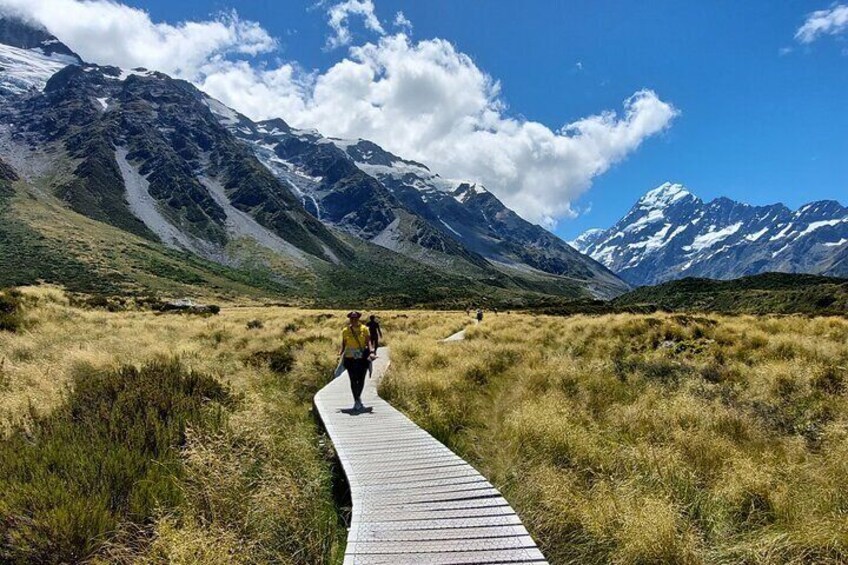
<point x="355" y="342"/>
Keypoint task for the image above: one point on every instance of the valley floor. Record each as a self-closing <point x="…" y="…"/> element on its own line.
<point x="143" y="437"/>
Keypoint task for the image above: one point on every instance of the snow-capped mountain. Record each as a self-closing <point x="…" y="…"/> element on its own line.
<point x="358" y="186"/>
<point x="157" y="157"/>
<point x="670" y="233"/>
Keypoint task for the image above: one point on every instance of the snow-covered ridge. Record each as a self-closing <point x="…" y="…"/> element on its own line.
<point x="664" y="195"/>
<point x="670" y="233"/>
<point x="27" y="70"/>
<point x="226" y="115"/>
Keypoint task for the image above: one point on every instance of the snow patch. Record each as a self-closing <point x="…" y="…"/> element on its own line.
<point x="664" y="195"/>
<point x="127" y="73"/>
<point x="782" y="233"/>
<point x="27" y="70"/>
<point x="652" y="216"/>
<point x="757" y="235"/>
<point x="707" y="240"/>
<point x="447" y="225"/>
<point x="813" y="226"/>
<point x="839" y="243"/>
<point x="779" y="251"/>
<point x="653" y="242"/>
<point x="226" y="115"/>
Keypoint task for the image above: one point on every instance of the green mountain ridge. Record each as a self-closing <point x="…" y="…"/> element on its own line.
<point x="767" y="293"/>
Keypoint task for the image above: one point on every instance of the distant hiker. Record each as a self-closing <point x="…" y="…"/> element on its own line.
<point x="376" y="335"/>
<point x="356" y="355"/>
<point x="479" y="315"/>
<point x="376" y="332"/>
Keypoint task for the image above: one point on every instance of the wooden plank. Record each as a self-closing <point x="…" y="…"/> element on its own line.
<point x="414" y="500"/>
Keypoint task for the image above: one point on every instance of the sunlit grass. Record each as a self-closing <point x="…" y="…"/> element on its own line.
<point x="647" y="439"/>
<point x="254" y="488"/>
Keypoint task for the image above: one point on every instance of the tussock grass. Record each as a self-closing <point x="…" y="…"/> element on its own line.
<point x="245" y="478"/>
<point x="649" y="438"/>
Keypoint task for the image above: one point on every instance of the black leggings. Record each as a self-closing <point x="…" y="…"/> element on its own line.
<point x="356" y="369"/>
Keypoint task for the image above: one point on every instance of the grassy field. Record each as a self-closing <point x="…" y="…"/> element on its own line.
<point x="139" y="437"/>
<point x="649" y="438"/>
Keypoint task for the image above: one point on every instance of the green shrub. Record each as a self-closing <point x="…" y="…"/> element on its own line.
<point x="11" y="310"/>
<point x="255" y="325"/>
<point x="280" y="360"/>
<point x="107" y="457"/>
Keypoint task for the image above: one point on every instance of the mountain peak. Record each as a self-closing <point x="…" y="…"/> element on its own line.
<point x="671" y="233"/>
<point x="664" y="195"/>
<point x="22" y="34"/>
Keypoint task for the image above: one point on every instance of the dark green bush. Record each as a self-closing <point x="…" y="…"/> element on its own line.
<point x="107" y="456"/>
<point x="11" y="310"/>
<point x="280" y="360"/>
<point x="255" y="325"/>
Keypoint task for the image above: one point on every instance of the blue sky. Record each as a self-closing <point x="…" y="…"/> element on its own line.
<point x="762" y="116"/>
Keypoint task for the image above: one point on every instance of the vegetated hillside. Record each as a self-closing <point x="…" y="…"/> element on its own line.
<point x="670" y="233"/>
<point x="768" y="293"/>
<point x="42" y="239"/>
<point x="662" y="438"/>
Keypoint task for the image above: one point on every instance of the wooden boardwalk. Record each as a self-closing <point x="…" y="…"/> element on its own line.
<point x="414" y="500"/>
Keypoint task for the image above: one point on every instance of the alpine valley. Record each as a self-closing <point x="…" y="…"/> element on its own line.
<point x="670" y="233"/>
<point x="128" y="180"/>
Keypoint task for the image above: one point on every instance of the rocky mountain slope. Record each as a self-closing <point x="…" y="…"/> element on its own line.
<point x="157" y="158"/>
<point x="670" y="233"/>
<point x="400" y="204"/>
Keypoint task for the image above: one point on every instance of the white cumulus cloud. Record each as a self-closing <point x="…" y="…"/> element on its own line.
<point x="831" y="21"/>
<point x="423" y="100"/>
<point x="402" y="22"/>
<point x="111" y="33"/>
<point x="339" y="14"/>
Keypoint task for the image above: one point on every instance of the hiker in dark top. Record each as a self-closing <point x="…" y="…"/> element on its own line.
<point x="357" y="354"/>
<point x="479" y="315"/>
<point x="376" y="332"/>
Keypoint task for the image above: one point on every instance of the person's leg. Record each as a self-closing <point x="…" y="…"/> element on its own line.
<point x="358" y="385"/>
<point x="350" y="367"/>
<point x="356" y="371"/>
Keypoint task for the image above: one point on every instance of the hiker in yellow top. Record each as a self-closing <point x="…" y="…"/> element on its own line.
<point x="356" y="354"/>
